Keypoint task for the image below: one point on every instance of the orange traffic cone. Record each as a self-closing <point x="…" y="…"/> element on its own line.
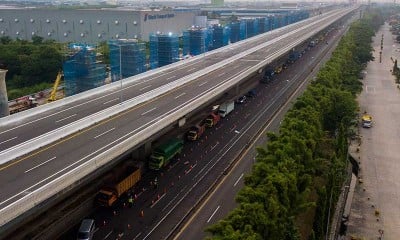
<point x="141" y="214"/>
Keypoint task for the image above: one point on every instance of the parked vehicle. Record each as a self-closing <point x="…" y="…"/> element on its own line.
<point x="123" y="178"/>
<point x="212" y="119"/>
<point x="293" y="56"/>
<point x="86" y="230"/>
<point x="278" y="69"/>
<point x="268" y="75"/>
<point x="22" y="104"/>
<point x="196" y="131"/>
<point x="241" y="99"/>
<point x="162" y="155"/>
<point x="366" y="120"/>
<point x="226" y="108"/>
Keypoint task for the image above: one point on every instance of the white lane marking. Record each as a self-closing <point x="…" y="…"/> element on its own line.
<point x="173" y="199"/>
<point x="112" y="100"/>
<point x="180" y="95"/>
<point x="171" y="77"/>
<point x="8" y="140"/>
<point x="158" y="200"/>
<point x="101" y="134"/>
<point x="143" y="88"/>
<point x="212" y="215"/>
<point x="212" y="148"/>
<point x="51" y="159"/>
<point x="201" y="84"/>
<point x="108" y="234"/>
<point x="191" y="69"/>
<point x="237" y="181"/>
<point x="62" y="119"/>
<point x="148" y="111"/>
<point x="221" y="74"/>
<point x="138" y="235"/>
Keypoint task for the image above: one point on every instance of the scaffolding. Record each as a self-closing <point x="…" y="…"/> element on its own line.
<point x="220" y="36"/>
<point x="197" y="40"/>
<point x="82" y="71"/>
<point x="262" y="25"/>
<point x="127" y="58"/>
<point x="238" y="31"/>
<point x="251" y="27"/>
<point x="164" y="49"/>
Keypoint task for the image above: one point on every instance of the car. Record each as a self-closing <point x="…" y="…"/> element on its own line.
<point x="241" y="100"/>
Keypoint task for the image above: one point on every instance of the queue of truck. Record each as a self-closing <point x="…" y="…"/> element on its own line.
<point x="128" y="174"/>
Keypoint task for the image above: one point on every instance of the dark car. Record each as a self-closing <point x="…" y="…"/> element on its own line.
<point x="242" y="99"/>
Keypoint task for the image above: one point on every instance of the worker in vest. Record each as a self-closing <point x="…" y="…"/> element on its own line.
<point x="155" y="182"/>
<point x="130" y="201"/>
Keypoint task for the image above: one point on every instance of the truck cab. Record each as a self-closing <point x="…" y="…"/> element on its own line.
<point x="195" y="132"/>
<point x="212" y="120"/>
<point x="106" y="198"/>
<point x="156" y="161"/>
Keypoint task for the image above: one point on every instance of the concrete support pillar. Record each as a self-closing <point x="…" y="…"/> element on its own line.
<point x="4" y="111"/>
<point x="144" y="151"/>
<point x="237" y="90"/>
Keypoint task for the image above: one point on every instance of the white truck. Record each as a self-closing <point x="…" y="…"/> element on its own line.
<point x="226" y="108"/>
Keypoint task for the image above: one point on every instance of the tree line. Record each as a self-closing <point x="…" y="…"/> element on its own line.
<point x="303" y="166"/>
<point x="32" y="65"/>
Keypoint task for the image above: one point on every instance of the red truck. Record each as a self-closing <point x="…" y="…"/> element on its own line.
<point x="196" y="131"/>
<point x="212" y="120"/>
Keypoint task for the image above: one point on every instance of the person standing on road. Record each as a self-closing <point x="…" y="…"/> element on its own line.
<point x="130" y="201"/>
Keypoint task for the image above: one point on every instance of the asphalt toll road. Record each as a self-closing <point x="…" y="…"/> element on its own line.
<point x="221" y="200"/>
<point x="155" y="204"/>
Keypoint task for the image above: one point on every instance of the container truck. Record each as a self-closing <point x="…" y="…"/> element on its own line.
<point x="212" y="119"/>
<point x="164" y="153"/>
<point x="122" y="179"/>
<point x="196" y="131"/>
<point x="268" y="76"/>
<point x="293" y="56"/>
<point x="226" y="108"/>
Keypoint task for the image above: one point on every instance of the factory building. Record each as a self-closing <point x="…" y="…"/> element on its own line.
<point x="91" y="25"/>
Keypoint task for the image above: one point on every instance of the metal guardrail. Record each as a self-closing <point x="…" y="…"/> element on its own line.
<point x="64" y="181"/>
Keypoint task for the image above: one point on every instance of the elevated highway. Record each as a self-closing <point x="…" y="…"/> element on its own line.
<point x="38" y="175"/>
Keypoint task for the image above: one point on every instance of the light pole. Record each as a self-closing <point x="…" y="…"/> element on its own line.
<point x="120" y="71"/>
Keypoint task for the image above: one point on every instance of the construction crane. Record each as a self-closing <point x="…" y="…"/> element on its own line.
<point x="55" y="87"/>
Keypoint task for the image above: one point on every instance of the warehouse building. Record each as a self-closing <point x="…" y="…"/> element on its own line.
<point x="91" y="25"/>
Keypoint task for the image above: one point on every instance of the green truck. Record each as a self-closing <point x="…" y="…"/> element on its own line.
<point x="164" y="153"/>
